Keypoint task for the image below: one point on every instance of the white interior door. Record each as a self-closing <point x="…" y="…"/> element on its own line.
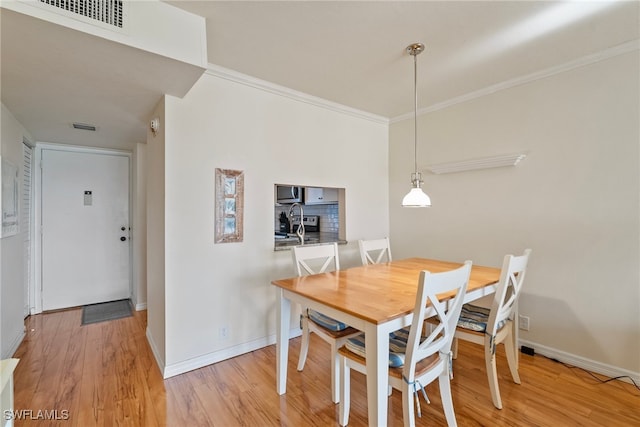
<point x="85" y="228"/>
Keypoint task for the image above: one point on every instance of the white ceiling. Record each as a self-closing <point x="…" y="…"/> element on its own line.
<point x="351" y="53"/>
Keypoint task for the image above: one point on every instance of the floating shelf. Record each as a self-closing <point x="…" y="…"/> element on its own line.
<point x="474" y="164"/>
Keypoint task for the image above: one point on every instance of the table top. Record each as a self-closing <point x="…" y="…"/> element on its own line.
<point x="379" y="292"/>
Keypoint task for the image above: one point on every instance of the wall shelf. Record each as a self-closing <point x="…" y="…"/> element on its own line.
<point x="475" y="164"/>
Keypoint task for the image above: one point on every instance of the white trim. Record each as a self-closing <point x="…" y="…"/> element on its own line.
<point x="154" y="350"/>
<point x="237" y="77"/>
<point x="234" y="76"/>
<point x="14" y="345"/>
<point x="141" y="306"/>
<point x="224" y="354"/>
<point x="584" y="363"/>
<point x="237" y="350"/>
<point x="81" y="149"/>
<point x="580" y="62"/>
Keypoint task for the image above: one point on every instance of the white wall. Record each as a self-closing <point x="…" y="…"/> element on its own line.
<point x="273" y="139"/>
<point x="574" y="200"/>
<point x="139" y="229"/>
<point x="12" y="273"/>
<point x="155" y="185"/>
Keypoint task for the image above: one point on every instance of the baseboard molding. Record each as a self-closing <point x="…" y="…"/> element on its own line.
<point x="581" y="362"/>
<point x="172" y="370"/>
<point x="218" y="356"/>
<point x="154" y="350"/>
<point x="14" y="345"/>
<point x="141" y="306"/>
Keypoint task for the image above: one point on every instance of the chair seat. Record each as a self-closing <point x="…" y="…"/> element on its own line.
<point x="475" y="318"/>
<point x="326" y="321"/>
<point x="422" y="366"/>
<point x="397" y="346"/>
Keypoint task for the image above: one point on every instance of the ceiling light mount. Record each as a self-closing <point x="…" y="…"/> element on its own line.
<point x="415" y="49"/>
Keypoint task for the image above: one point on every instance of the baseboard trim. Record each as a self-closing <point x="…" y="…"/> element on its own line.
<point x="172" y="370"/>
<point x="141" y="306"/>
<point x="154" y="350"/>
<point x="226" y="353"/>
<point x="584" y="363"/>
<point x="14" y="345"/>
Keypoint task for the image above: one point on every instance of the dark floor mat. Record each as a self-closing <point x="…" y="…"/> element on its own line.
<point x="104" y="311"/>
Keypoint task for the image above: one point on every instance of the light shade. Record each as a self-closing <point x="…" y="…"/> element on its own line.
<point x="416" y="198"/>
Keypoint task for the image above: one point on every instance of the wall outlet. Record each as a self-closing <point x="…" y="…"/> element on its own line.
<point x="223" y="332"/>
<point x="523" y="322"/>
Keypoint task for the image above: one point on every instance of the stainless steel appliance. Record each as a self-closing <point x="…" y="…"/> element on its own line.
<point x="311" y="223"/>
<point x="288" y="194"/>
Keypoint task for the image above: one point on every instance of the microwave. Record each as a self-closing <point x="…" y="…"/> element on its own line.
<point x="288" y="194"/>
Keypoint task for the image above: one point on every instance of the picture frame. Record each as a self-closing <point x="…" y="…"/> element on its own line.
<point x="10" y="199"/>
<point x="229" y="206"/>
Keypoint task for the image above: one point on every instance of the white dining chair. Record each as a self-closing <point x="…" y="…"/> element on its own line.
<point x="492" y="326"/>
<point x="416" y="360"/>
<point x="375" y="251"/>
<point x="313" y="260"/>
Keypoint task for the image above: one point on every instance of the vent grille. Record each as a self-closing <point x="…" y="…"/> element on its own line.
<point x="106" y="11"/>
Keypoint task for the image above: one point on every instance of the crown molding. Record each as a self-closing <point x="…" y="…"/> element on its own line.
<point x="244" y="79"/>
<point x="234" y="76"/>
<point x="620" y="49"/>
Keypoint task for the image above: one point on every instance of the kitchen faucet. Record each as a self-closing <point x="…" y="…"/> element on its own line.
<point x="300" y="230"/>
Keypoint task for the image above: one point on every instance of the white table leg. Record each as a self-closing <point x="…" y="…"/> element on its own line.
<point x="283" y="317"/>
<point x="377" y="354"/>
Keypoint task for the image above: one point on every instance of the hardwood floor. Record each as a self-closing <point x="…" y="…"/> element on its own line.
<point x="104" y="374"/>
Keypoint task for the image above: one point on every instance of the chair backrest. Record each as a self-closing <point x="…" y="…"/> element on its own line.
<point x="315" y="259"/>
<point x="506" y="297"/>
<point x="435" y="289"/>
<point x="375" y="251"/>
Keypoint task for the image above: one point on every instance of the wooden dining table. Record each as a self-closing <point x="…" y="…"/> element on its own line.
<point x="376" y="299"/>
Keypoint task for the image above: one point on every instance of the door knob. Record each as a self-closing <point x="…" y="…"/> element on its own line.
<point x="122" y="239"/>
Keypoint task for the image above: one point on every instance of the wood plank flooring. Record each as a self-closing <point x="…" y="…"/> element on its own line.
<point x="104" y="374"/>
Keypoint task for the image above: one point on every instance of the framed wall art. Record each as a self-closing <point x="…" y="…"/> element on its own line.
<point x="10" y="199"/>
<point x="229" y="206"/>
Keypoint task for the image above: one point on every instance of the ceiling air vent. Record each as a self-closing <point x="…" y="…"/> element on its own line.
<point x="84" y="126"/>
<point x="109" y="12"/>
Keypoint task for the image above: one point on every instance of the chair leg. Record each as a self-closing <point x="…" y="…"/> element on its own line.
<point x="304" y="343"/>
<point x="512" y="357"/>
<point x="492" y="375"/>
<point x="454" y="347"/>
<point x="345" y="391"/>
<point x="408" y="414"/>
<point x="447" y="400"/>
<point x="335" y="373"/>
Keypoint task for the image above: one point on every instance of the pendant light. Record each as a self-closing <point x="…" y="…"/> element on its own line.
<point x="416" y="198"/>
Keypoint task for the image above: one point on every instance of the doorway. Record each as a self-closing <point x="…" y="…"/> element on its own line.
<point x="85" y="227"/>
